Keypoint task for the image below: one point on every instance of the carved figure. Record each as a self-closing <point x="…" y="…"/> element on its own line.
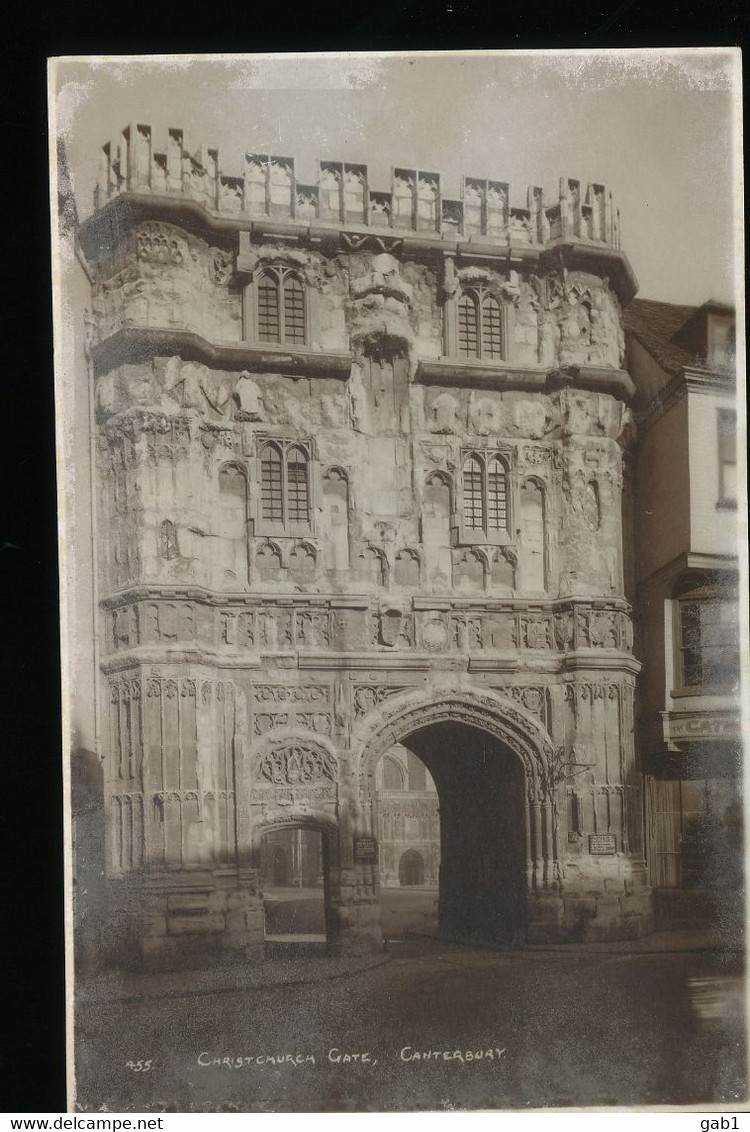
<point x="249" y="399"/>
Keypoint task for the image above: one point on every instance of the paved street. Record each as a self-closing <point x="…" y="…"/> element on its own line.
<point x="575" y="1028"/>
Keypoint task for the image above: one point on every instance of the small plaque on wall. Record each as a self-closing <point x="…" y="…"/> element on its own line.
<point x="602" y="844"/>
<point x="365" y="849"/>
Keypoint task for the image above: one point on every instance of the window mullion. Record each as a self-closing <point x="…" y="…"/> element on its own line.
<point x="485" y="498"/>
<point x="283" y="486"/>
<point x="282" y="328"/>
<point x="480" y="331"/>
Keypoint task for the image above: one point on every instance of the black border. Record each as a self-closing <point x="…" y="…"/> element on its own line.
<point x="31" y="806"/>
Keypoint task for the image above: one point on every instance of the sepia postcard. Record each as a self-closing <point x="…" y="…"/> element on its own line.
<point x="401" y="452"/>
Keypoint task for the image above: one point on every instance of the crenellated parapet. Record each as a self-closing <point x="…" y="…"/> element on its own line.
<point x="266" y="186"/>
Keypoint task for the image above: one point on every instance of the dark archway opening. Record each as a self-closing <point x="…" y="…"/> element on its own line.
<point x="480" y="786"/>
<point x="294" y="874"/>
<point x="411" y="868"/>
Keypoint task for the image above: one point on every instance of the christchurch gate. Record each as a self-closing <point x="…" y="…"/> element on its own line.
<point x="361" y="478"/>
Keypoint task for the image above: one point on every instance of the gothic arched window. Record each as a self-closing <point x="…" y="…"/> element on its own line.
<point x="271" y="490"/>
<point x="473" y="494"/>
<point x="284" y="486"/>
<point x="480" y="325"/>
<point x="486" y="502"/>
<point x="281" y="313"/>
<point x="298" y="491"/>
<point x="497" y="496"/>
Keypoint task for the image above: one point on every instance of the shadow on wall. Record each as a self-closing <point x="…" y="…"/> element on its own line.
<point x="89" y="891"/>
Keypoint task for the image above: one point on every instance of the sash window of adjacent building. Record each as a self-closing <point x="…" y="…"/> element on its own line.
<point x="281" y="312"/>
<point x="708" y="643"/>
<point x="727" y="458"/>
<point x="485" y="515"/>
<point x="480" y="325"/>
<point x="284" y="487"/>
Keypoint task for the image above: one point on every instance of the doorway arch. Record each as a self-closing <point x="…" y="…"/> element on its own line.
<point x="411" y="868"/>
<point x="296" y="855"/>
<point x="489" y="760"/>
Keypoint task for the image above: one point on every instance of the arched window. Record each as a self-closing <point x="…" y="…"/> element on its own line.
<point x="271" y="491"/>
<point x="485" y="497"/>
<point x="281" y="316"/>
<point x="298" y="493"/>
<point x="284" y="486"/>
<point x="497" y="496"/>
<point x="269" y="325"/>
<point x="480" y="325"/>
<point x="468" y="326"/>
<point x="492" y="328"/>
<point x="473" y="494"/>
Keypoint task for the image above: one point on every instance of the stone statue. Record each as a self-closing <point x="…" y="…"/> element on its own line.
<point x="249" y="399"/>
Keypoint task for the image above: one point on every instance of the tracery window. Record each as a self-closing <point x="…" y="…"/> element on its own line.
<point x="284" y="486"/>
<point x="281" y="313"/>
<point x="486" y="497"/>
<point x="480" y="325"/>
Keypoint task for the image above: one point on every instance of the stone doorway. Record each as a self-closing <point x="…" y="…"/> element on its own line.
<point x="483" y="858"/>
<point x="294" y="873"/>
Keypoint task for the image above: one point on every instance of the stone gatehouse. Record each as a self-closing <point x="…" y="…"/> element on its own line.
<point x="362" y="480"/>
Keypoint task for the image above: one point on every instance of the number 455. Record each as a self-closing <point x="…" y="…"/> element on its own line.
<point x="139" y="1066"/>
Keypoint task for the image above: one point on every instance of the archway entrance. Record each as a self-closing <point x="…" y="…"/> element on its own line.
<point x="294" y="874"/>
<point x="480" y="787"/>
<point x="411" y="868"/>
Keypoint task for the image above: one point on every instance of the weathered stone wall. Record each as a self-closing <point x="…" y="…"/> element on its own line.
<point x="256" y="672"/>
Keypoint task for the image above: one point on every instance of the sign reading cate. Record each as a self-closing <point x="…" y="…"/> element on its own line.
<point x="365" y="849"/>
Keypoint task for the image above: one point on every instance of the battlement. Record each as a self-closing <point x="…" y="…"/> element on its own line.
<point x="268" y="188"/>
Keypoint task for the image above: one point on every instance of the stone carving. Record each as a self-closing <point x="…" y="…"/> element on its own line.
<point x="535" y="633"/>
<point x="249" y="399"/>
<point x="393" y="627"/>
<point x="532" y="418"/>
<point x="443" y="414"/>
<point x="220" y="268"/>
<point x="602" y="629"/>
<point x="189" y="384"/>
<point x="296" y="765"/>
<point x="434" y="634"/>
<point x="291" y="694"/>
<point x="484" y="415"/>
<point x="368" y="696"/>
<point x="533" y="699"/>
<point x="564" y="631"/>
<point x="313" y="629"/>
<point x="160" y="244"/>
